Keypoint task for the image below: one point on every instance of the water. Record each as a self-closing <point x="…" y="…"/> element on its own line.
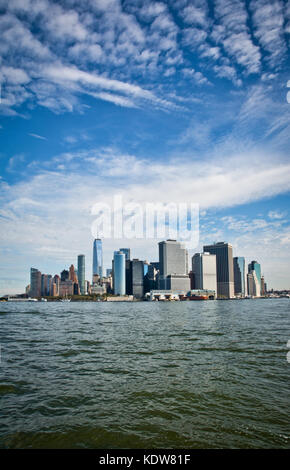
<point x="145" y="375"/>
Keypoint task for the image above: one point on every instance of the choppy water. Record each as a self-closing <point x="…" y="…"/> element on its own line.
<point x="145" y="375"/>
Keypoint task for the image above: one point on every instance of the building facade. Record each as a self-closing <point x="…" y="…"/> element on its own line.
<point x="119" y="273"/>
<point x="204" y="271"/>
<point x="240" y="284"/>
<point x="98" y="257"/>
<point x="224" y="267"/>
<point x="255" y="266"/>
<point x="35" y="283"/>
<point x="82" y="274"/>
<point x="173" y="260"/>
<point x="137" y="275"/>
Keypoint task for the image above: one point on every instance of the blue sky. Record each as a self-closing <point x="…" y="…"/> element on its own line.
<point x="177" y="101"/>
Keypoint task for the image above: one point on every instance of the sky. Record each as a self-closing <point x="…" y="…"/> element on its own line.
<point x="182" y="101"/>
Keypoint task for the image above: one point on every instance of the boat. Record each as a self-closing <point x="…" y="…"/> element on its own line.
<point x="43" y="300"/>
<point x="198" y="297"/>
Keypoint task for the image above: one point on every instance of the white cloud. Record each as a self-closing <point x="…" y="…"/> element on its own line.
<point x="268" y="21"/>
<point x="37" y="136"/>
<point x="33" y="210"/>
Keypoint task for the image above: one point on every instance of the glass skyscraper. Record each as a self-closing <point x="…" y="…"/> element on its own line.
<point x="240" y="276"/>
<point x="98" y="258"/>
<point x="255" y="266"/>
<point x="119" y="273"/>
<point x="126" y="251"/>
<point x="81" y="274"/>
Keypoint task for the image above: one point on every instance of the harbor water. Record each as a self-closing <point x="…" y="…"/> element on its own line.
<point x="208" y="374"/>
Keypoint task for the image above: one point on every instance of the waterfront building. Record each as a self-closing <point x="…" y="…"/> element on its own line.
<point x="263" y="286"/>
<point x="82" y="274"/>
<point x="43" y="290"/>
<point x="72" y="274"/>
<point x="255" y="266"/>
<point x="108" y="272"/>
<point x="128" y="271"/>
<point x="56" y="282"/>
<point x="98" y="257"/>
<point x="254" y="287"/>
<point x="240" y="276"/>
<point x="66" y="288"/>
<point x="177" y="282"/>
<point x="137" y="276"/>
<point x="150" y="279"/>
<point x="173" y="260"/>
<point x="119" y="273"/>
<point x="204" y="271"/>
<point x="97" y="289"/>
<point x="35" y="282"/>
<point x="224" y="268"/>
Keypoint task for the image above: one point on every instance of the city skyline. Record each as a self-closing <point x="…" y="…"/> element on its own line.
<point x="214" y="270"/>
<point x="170" y="101"/>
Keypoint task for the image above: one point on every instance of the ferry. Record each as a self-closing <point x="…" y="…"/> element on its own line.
<point x="198" y="297"/>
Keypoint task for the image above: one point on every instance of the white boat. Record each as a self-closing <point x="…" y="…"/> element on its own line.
<point x="43" y="300"/>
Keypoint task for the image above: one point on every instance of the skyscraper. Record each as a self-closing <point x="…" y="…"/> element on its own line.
<point x="173" y="261"/>
<point x="254" y="287"/>
<point x="72" y="274"/>
<point x="225" y="269"/>
<point x="204" y="270"/>
<point x="81" y="274"/>
<point x="98" y="257"/>
<point x="119" y="273"/>
<point x="35" y="283"/>
<point x="255" y="266"/>
<point x="137" y="276"/>
<point x="239" y="276"/>
<point x="126" y="251"/>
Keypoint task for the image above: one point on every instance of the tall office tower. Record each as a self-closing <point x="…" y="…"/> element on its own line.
<point x="263" y="284"/>
<point x="255" y="266"/>
<point x="72" y="274"/>
<point x="98" y="257"/>
<point x="150" y="278"/>
<point x="43" y="284"/>
<point x="240" y="276"/>
<point x="64" y="275"/>
<point x="254" y="286"/>
<point x="119" y="273"/>
<point x="250" y="284"/>
<point x="48" y="284"/>
<point x="56" y="281"/>
<point x="128" y="275"/>
<point x="225" y="268"/>
<point x="35" y="282"/>
<point x="126" y="251"/>
<point x="82" y="274"/>
<point x="137" y="276"/>
<point x="204" y="271"/>
<point x="173" y="261"/>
